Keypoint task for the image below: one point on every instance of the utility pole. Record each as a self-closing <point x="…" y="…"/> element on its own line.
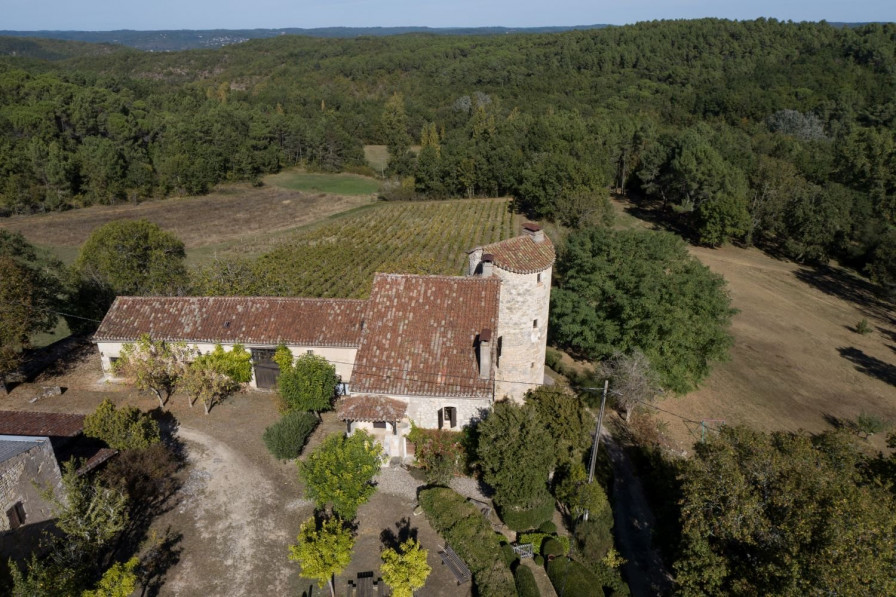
<point x="596" y="444"/>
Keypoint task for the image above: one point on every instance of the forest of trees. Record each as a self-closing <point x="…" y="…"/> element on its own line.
<point x="778" y="134"/>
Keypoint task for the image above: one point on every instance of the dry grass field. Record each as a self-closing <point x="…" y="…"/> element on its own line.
<point x="230" y="214"/>
<point x="797" y="361"/>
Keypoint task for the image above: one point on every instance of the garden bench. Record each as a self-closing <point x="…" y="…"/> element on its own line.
<point x="455" y="564"/>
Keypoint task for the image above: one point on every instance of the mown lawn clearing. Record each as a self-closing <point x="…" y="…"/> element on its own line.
<point x="337" y="184"/>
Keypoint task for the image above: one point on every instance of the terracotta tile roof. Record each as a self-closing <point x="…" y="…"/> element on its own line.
<point x="522" y="255"/>
<point x="56" y="425"/>
<point x="420" y="337"/>
<point x="370" y="408"/>
<point x="249" y="320"/>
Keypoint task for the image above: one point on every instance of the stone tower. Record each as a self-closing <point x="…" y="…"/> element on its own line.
<point x="524" y="265"/>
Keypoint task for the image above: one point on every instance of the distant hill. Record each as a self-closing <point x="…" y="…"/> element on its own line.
<point x="189" y="39"/>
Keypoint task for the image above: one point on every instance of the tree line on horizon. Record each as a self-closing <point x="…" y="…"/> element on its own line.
<point x="778" y="134"/>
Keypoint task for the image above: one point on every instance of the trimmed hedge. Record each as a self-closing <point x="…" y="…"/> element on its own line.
<point x="538" y="541"/>
<point x="532" y="518"/>
<point x="547" y="527"/>
<point x="572" y="578"/>
<point x="471" y="537"/>
<point x="525" y="582"/>
<point x="286" y="438"/>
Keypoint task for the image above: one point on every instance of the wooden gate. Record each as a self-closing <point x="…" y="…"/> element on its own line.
<point x="266" y="370"/>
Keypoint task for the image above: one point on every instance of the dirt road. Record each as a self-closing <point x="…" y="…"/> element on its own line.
<point x="233" y="507"/>
<point x="633" y="526"/>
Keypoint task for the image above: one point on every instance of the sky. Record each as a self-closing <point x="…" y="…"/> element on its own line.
<point x="105" y="15"/>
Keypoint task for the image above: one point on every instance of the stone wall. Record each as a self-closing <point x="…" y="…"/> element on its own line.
<point x="424" y="411"/>
<point x="522" y="332"/>
<point x="24" y="476"/>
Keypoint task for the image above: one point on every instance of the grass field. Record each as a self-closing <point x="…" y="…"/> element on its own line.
<point x="337" y="184"/>
<point x="797" y="361"/>
<point x="338" y="257"/>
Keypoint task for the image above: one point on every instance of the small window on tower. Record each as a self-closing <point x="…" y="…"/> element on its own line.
<point x="538" y="278"/>
<point x="534" y="323"/>
<point x="16" y="516"/>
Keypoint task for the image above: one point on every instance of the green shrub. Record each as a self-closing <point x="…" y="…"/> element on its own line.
<point x="547" y="527"/>
<point x="572" y="578"/>
<point x="552" y="547"/>
<point x="525" y="582"/>
<point x="471" y="537"/>
<point x="531" y="518"/>
<point x="286" y="438"/>
<point x="439" y="452"/>
<point x="125" y="428"/>
<point x="538" y="540"/>
<point x="863" y="327"/>
<point x="539" y="560"/>
<point x="594" y="538"/>
<point x="508" y="554"/>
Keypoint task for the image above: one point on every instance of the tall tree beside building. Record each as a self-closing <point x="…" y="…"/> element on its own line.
<point x="133" y="257"/>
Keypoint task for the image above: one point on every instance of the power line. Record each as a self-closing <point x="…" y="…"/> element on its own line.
<point x="48" y="310"/>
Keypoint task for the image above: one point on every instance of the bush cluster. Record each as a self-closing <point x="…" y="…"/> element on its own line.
<point x="530" y="518"/>
<point x="525" y="582"/>
<point x="572" y="578"/>
<point x="546" y="543"/>
<point x="125" y="428"/>
<point x="471" y="537"/>
<point x="286" y="438"/>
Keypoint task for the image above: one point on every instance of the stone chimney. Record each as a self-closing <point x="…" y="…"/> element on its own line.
<point x="488" y="265"/>
<point x="534" y="230"/>
<point x="485" y="354"/>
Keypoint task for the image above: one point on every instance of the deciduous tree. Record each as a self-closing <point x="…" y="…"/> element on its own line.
<point x="784" y="514"/>
<point x="405" y="569"/>
<point x="133" y="257"/>
<point x="124" y="428"/>
<point x="323" y="550"/>
<point x="632" y="380"/>
<point x="211" y="377"/>
<point x="308" y="383"/>
<point x="625" y="289"/>
<point x="339" y="472"/>
<point x="153" y="365"/>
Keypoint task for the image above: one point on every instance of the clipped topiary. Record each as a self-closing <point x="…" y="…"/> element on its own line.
<point x="525" y="582"/>
<point x="508" y="554"/>
<point x="520" y="519"/>
<point x="539" y="560"/>
<point x="552" y="547"/>
<point x="286" y="438"/>
<point x="547" y="527"/>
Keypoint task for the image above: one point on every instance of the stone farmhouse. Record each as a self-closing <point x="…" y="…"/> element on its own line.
<point x="33" y="445"/>
<point x="435" y="350"/>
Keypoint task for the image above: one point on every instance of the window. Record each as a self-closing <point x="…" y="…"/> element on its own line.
<point x="447" y="417"/>
<point x="534" y="323"/>
<point x="16" y="515"/>
<point x="538" y="278"/>
<point x="379" y="424"/>
<point x="310" y="352"/>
